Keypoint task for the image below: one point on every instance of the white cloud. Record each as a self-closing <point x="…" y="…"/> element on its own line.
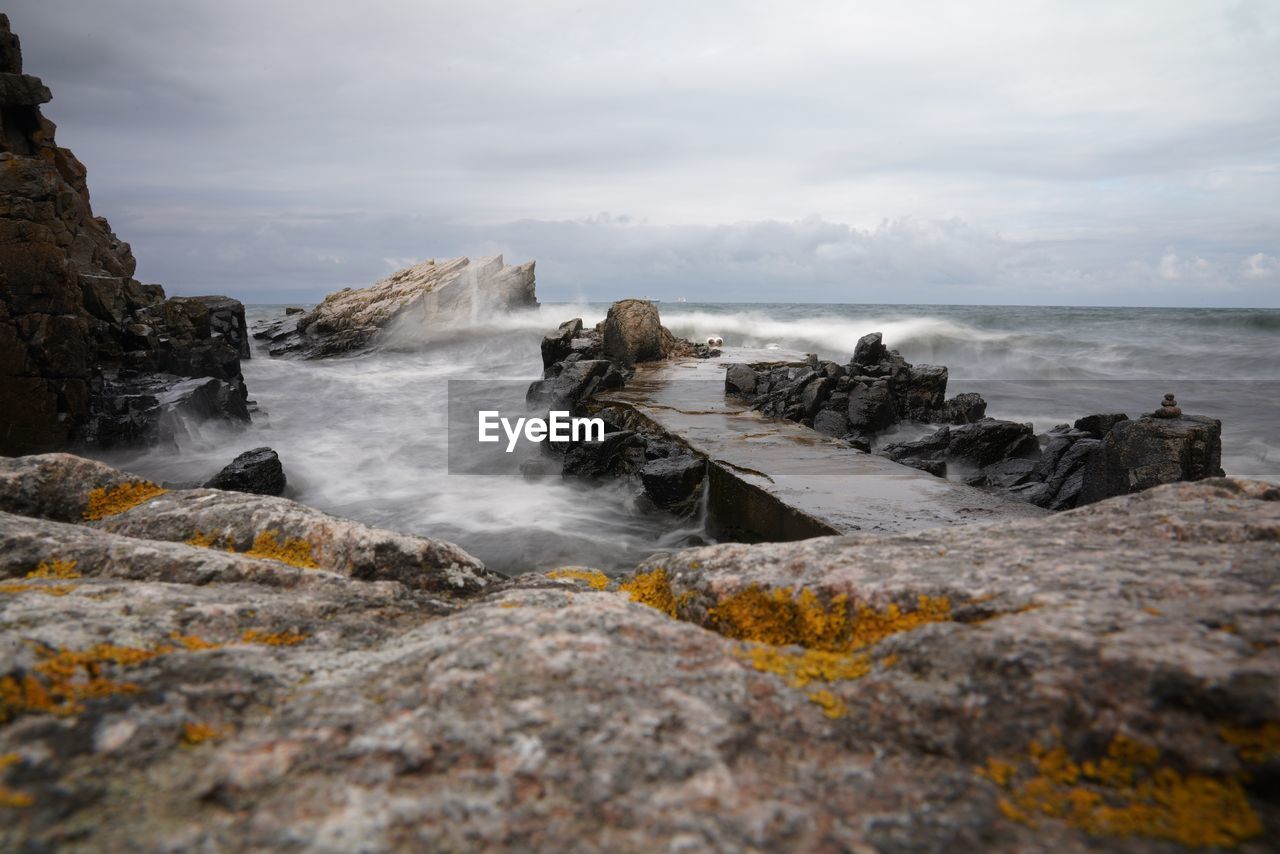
<point x="1261" y="266"/>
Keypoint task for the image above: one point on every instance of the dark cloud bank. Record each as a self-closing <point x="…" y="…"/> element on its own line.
<point x="1058" y="153"/>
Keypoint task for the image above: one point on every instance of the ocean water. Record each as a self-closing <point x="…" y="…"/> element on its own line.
<point x="365" y="437"/>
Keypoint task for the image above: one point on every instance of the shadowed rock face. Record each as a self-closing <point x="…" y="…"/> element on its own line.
<point x="728" y="697"/>
<point x="85" y="350"/>
<point x="406" y="309"/>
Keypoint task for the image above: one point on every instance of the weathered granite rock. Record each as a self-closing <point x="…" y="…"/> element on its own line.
<point x="257" y="471"/>
<point x="409" y="308"/>
<point x="619" y="452"/>
<point x="1117" y="666"/>
<point x="632" y="332"/>
<point x="573" y="382"/>
<point x="65" y="488"/>
<point x="74" y="323"/>
<point x="1139" y="454"/>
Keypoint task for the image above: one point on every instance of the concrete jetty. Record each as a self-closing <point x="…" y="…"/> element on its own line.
<point x="775" y="480"/>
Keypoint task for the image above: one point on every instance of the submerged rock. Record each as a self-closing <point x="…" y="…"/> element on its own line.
<point x="257" y="471"/>
<point x="1105" y="678"/>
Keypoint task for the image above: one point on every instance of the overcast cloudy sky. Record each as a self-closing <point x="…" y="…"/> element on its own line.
<point x="1072" y="152"/>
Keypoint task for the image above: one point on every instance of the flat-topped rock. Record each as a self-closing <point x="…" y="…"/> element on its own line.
<point x="778" y="480"/>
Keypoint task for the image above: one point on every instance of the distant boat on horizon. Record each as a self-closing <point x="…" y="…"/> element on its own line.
<point x="681" y="299"/>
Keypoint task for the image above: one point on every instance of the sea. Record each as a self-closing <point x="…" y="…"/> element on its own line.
<point x="365" y="436"/>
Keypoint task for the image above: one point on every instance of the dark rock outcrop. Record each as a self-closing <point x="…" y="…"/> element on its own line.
<point x="875" y="391"/>
<point x="1137" y="455"/>
<point x="257" y="471"/>
<point x="84" y="347"/>
<point x="673" y="482"/>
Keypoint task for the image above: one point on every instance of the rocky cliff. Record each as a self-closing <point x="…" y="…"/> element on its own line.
<point x="198" y="670"/>
<point x="87" y="353"/>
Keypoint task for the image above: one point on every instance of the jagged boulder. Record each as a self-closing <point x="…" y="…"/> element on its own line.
<point x="258" y="471"/>
<point x="673" y="482"/>
<point x="408" y="309"/>
<point x="1139" y="454"/>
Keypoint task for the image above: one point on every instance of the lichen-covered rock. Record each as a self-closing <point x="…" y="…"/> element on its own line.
<point x="409" y="308"/>
<point x="66" y="488"/>
<point x="1105" y="679"/>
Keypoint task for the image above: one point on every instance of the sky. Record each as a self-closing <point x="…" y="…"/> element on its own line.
<point x="1083" y="152"/>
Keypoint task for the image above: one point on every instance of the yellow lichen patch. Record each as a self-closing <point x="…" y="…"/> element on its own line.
<point x="800" y="667"/>
<point x="109" y="502"/>
<point x="8" y="797"/>
<point x="65" y="677"/>
<point x="780" y="617"/>
<point x="43" y="589"/>
<point x="193" y="642"/>
<point x="594" y="578"/>
<point x="509" y="605"/>
<point x="202" y="540"/>
<point x="286" y="638"/>
<point x="652" y="589"/>
<point x="831" y="705"/>
<point x="1125" y="793"/>
<point x="62" y="569"/>
<point x="1254" y="744"/>
<point x="294" y="551"/>
<point x="198" y="733"/>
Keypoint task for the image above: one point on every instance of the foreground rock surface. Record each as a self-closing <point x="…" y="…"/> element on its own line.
<point x="405" y="310"/>
<point x="923" y="691"/>
<point x="88" y="355"/>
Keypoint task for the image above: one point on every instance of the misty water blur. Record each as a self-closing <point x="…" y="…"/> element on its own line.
<point x="365" y="436"/>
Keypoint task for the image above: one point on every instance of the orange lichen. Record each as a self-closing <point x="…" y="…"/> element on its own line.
<point x="198" y="733"/>
<point x="65" y="677"/>
<point x="62" y="569"/>
<point x="800" y="667"/>
<point x="44" y="589"/>
<point x="1125" y="793"/>
<point x="594" y="578"/>
<point x="1254" y="744"/>
<point x="294" y="551"/>
<point x="193" y="642"/>
<point x="653" y="589"/>
<point x="286" y="638"/>
<point x="8" y="797"/>
<point x="202" y="540"/>
<point x="110" y="502"/>
<point x="780" y="617"/>
<point x="832" y="706"/>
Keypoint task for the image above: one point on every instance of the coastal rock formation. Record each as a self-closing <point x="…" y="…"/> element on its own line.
<point x="632" y="332"/>
<point x="89" y="495"/>
<point x="257" y="471"/>
<point x="1101" y="456"/>
<point x="876" y="390"/>
<point x="88" y="354"/>
<point x="1103" y="679"/>
<point x="407" y="309"/>
<point x="1137" y="455"/>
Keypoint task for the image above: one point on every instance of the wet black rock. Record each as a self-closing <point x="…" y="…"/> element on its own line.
<point x="559" y="344"/>
<point x="673" y="482"/>
<point x="875" y="391"/>
<point x="1139" y="454"/>
<point x="258" y="472"/>
<point x="1100" y="425"/>
<point x="573" y="382"/>
<point x="619" y="452"/>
